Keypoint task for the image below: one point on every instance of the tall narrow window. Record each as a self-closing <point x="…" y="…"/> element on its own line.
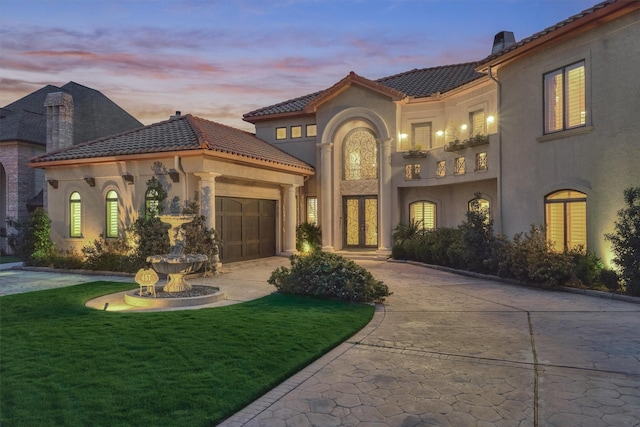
<point x="421" y="136"/>
<point x="360" y="156"/>
<point x="312" y="210"/>
<point x="566" y="219"/>
<point x="477" y="122"/>
<point x="112" y="214"/>
<point x="423" y="214"/>
<point x="75" y="215"/>
<point x="565" y="98"/>
<point x="151" y="203"/>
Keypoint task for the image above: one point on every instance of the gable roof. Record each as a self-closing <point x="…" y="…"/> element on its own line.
<point x="94" y="115"/>
<point x="416" y="83"/>
<point x="182" y="133"/>
<point x="606" y="10"/>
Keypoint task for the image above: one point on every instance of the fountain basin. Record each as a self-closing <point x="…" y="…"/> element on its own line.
<point x="132" y="298"/>
<point x="176" y="267"/>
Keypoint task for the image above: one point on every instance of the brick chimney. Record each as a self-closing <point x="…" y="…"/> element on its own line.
<point x="59" y="120"/>
<point x="503" y="40"/>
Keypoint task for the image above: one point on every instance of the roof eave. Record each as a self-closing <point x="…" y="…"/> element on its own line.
<point x="580" y="25"/>
<point x="275" y="116"/>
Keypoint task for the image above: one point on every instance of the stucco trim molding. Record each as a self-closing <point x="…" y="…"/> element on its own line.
<point x="355" y="113"/>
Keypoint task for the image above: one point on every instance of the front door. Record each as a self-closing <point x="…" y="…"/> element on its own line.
<point x="360" y="222"/>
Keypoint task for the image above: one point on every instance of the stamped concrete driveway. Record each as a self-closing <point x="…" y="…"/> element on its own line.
<point x="450" y="350"/>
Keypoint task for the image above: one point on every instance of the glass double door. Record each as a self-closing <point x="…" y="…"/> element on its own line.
<point x="360" y="221"/>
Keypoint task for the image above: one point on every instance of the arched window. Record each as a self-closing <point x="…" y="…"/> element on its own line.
<point x="112" y="214"/>
<point x="360" y="155"/>
<point x="151" y="203"/>
<point x="75" y="215"/>
<point x="424" y="214"/>
<point x="566" y="219"/>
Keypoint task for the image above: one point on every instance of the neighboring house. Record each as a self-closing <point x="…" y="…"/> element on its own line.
<point x="548" y="133"/>
<point x="245" y="187"/>
<point x="47" y="119"/>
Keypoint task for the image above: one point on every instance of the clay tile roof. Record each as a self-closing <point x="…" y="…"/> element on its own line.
<point x="414" y="83"/>
<point x="183" y="133"/>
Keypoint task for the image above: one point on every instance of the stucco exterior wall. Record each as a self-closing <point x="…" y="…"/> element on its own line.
<point x="232" y="180"/>
<point x="601" y="159"/>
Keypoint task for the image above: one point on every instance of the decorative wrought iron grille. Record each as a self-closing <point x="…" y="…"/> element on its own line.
<point x="481" y="161"/>
<point x="441" y="168"/>
<point x="460" y="166"/>
<point x="412" y="171"/>
<point x="360" y="156"/>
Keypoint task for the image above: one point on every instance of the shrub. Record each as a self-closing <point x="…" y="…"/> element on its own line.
<point x="476" y="238"/>
<point x="586" y="266"/>
<point x="610" y="279"/>
<point x="110" y="255"/>
<point x="328" y="275"/>
<point x="625" y="241"/>
<point x="32" y="242"/>
<point x="308" y="237"/>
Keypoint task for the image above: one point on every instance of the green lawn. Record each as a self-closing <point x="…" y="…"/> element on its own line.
<point x="67" y="365"/>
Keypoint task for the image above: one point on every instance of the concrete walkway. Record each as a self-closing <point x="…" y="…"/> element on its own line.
<point x="449" y="350"/>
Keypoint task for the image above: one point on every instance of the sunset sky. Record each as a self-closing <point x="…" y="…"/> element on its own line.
<point x="219" y="59"/>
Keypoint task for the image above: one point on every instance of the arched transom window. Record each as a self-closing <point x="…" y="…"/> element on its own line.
<point x="360" y="155"/>
<point x="75" y="215"/>
<point x="112" y="214"/>
<point x="566" y="219"/>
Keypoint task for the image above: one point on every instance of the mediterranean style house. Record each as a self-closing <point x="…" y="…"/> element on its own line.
<point x="50" y="118"/>
<point x="543" y="131"/>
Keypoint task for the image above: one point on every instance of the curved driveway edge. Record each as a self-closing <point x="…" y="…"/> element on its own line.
<point x="452" y="350"/>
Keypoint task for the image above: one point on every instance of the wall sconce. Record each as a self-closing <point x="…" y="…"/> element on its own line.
<point x="128" y="178"/>
<point x="53" y="183"/>
<point x="174" y="175"/>
<point x="90" y="180"/>
<point x="439" y="133"/>
<point x="491" y="119"/>
<point x="403" y="136"/>
<point x="463" y="127"/>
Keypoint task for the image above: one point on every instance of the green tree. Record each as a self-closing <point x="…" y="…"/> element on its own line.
<point x="33" y="242"/>
<point x="625" y="241"/>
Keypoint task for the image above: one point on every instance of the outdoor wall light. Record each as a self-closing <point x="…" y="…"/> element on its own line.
<point x="403" y="136"/>
<point x="439" y="133"/>
<point x="90" y="180"/>
<point x="491" y="119"/>
<point x="53" y="183"/>
<point x="128" y="178"/>
<point x="463" y="127"/>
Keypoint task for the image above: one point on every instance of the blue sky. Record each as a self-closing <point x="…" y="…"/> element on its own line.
<point x="221" y="59"/>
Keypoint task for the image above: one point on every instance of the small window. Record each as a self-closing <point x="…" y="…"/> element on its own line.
<point x="296" y="131"/>
<point x="481" y="161"/>
<point x="566" y="219"/>
<point x="565" y="98"/>
<point x="281" y="133"/>
<point x="460" y="166"/>
<point x="441" y="168"/>
<point x="112" y="214"/>
<point x="75" y="215"/>
<point x="477" y="122"/>
<point x="421" y="136"/>
<point x="412" y="171"/>
<point x="423" y="214"/>
<point x="312" y="210"/>
<point x="312" y="130"/>
<point x="151" y="203"/>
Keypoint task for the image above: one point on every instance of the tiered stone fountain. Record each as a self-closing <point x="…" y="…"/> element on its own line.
<point x="176" y="265"/>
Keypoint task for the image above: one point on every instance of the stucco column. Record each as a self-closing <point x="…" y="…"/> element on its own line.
<point x="326" y="195"/>
<point x="208" y="196"/>
<point x="384" y="201"/>
<point x="289" y="247"/>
